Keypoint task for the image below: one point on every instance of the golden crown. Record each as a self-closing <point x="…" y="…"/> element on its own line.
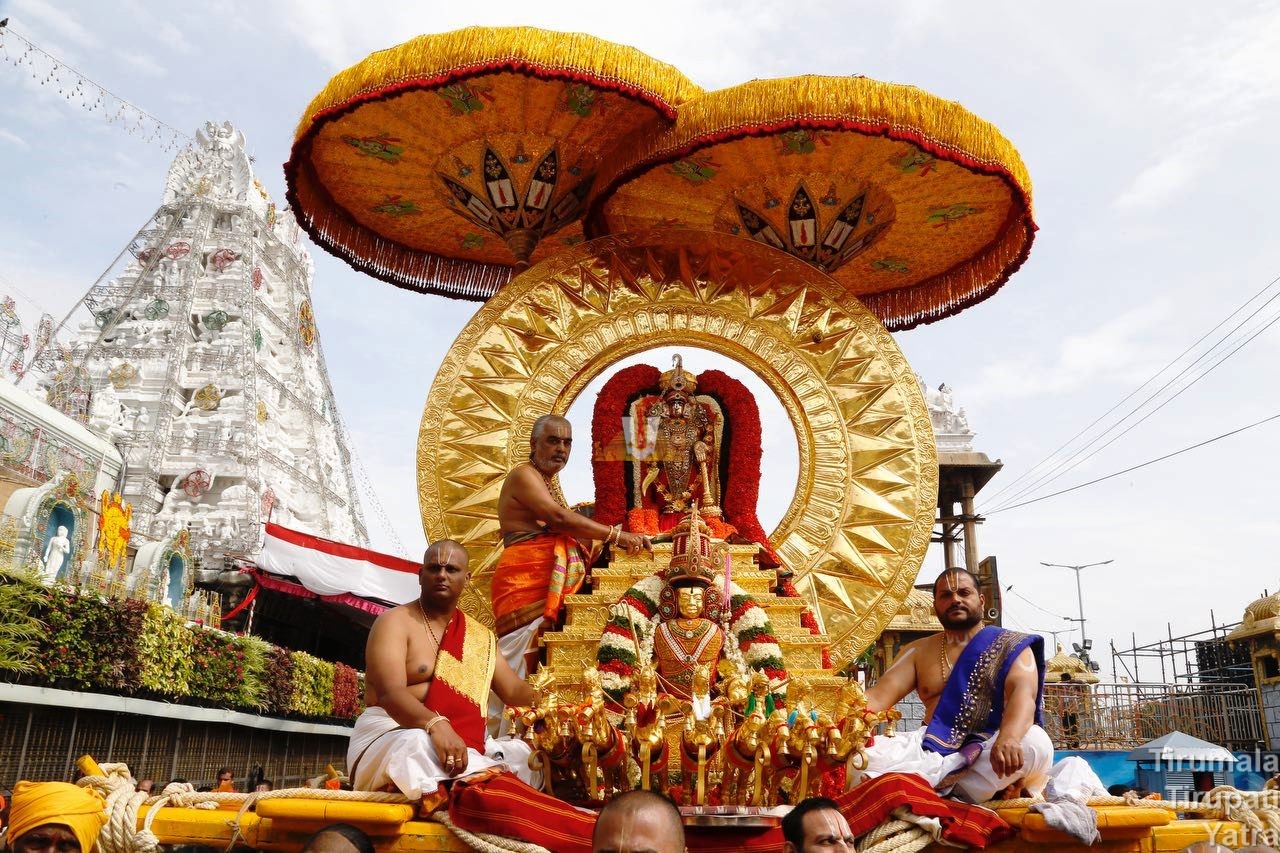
<point x="693" y="557"/>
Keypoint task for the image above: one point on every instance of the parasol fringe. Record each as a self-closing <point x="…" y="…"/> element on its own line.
<point x="950" y="293"/>
<point x="332" y="227"/>
<point x="436" y="59"/>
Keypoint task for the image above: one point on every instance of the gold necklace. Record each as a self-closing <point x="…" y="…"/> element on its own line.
<point x="546" y="479"/>
<point x="942" y="656"/>
<point x="422" y="615"/>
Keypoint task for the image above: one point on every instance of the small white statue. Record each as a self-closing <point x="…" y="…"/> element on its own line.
<point x="55" y="554"/>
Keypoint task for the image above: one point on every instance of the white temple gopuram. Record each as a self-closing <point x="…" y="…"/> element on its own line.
<point x="202" y="363"/>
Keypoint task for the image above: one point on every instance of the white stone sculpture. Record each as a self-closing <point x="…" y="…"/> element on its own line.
<point x="55" y="554"/>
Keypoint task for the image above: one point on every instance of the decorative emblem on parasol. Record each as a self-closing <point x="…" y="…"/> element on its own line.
<point x="447" y="162"/>
<point x="915" y="205"/>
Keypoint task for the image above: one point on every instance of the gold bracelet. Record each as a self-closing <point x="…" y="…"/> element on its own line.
<point x="426" y="727"/>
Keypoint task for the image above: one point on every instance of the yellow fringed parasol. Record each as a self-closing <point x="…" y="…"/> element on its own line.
<point x="915" y="205"/>
<point x="444" y="164"/>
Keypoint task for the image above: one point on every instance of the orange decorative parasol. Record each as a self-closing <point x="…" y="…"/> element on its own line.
<point x="446" y="163"/>
<point x="915" y="205"/>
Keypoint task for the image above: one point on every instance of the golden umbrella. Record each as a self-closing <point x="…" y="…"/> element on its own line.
<point x="446" y="163"/>
<point x="915" y="205"/>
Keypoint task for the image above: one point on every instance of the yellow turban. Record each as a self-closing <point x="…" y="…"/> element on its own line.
<point x="37" y="803"/>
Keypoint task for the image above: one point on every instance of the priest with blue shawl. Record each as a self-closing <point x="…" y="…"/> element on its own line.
<point x="982" y="691"/>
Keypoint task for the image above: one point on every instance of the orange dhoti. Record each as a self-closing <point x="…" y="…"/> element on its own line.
<point x="534" y="574"/>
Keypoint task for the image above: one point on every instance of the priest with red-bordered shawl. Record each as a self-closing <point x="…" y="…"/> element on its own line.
<point x="429" y="669"/>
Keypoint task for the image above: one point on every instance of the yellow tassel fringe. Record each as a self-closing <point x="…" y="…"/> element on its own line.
<point x="907" y="109"/>
<point x="437" y="54"/>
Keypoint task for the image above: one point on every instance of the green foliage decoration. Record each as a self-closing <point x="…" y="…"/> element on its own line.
<point x="347" y="695"/>
<point x="82" y="642"/>
<point x="312" y="686"/>
<point x="91" y="643"/>
<point x="278" y="677"/>
<point x="166" y="649"/>
<point x="21" y="600"/>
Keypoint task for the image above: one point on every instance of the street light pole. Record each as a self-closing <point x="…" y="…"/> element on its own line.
<point x="1079" y="589"/>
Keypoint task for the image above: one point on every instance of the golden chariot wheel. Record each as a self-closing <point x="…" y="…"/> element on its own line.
<point x="857" y="530"/>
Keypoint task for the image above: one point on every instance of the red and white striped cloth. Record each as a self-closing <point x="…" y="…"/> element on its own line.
<point x="334" y="571"/>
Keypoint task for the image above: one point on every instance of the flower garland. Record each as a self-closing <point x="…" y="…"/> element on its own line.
<point x="608" y="445"/>
<point x="637" y="611"/>
<point x="740" y="467"/>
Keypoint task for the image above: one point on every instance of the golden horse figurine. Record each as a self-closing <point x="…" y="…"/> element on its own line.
<point x="777" y="733"/>
<point x="702" y="734"/>
<point x="646" y="722"/>
<point x="547" y="729"/>
<point x="846" y="732"/>
<point x="747" y="750"/>
<point x="601" y="741"/>
<point x="805" y="738"/>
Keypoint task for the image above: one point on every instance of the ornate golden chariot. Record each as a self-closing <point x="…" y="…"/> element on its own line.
<point x="787" y="225"/>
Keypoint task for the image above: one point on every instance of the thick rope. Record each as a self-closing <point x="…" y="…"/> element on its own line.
<point x="484" y="842"/>
<point x="120" y="834"/>
<point x="895" y="836"/>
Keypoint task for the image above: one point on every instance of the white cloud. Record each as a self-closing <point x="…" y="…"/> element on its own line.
<point x="143" y="63"/>
<point x="57" y="21"/>
<point x="1118" y="351"/>
<point x="13" y="139"/>
<point x="739" y="51"/>
<point x="1210" y="92"/>
<point x="1162" y="180"/>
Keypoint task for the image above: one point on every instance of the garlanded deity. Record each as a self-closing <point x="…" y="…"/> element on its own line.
<point x="664" y="443"/>
<point x="682" y="470"/>
<point x="677" y="437"/>
<point x="689" y="637"/>
<point x="687" y="642"/>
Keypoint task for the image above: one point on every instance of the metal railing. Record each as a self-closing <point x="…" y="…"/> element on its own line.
<point x="1123" y="716"/>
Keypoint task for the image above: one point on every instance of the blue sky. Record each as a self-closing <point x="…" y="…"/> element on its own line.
<point x="1145" y="128"/>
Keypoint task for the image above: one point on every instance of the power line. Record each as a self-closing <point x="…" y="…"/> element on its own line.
<point x="1077" y="460"/>
<point x="79" y="89"/>
<point x="1140" y="465"/>
<point x="1134" y="393"/>
<point x="1009" y="588"/>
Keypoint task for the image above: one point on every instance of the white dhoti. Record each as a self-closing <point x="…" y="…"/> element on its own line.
<point x="905" y="753"/>
<point x="512" y="647"/>
<point x="381" y="752"/>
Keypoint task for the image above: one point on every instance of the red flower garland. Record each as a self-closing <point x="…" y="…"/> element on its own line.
<point x="608" y="445"/>
<point x="741" y="485"/>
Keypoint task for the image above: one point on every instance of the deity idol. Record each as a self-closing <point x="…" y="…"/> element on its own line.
<point x="661" y="448"/>
<point x="689" y="635"/>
